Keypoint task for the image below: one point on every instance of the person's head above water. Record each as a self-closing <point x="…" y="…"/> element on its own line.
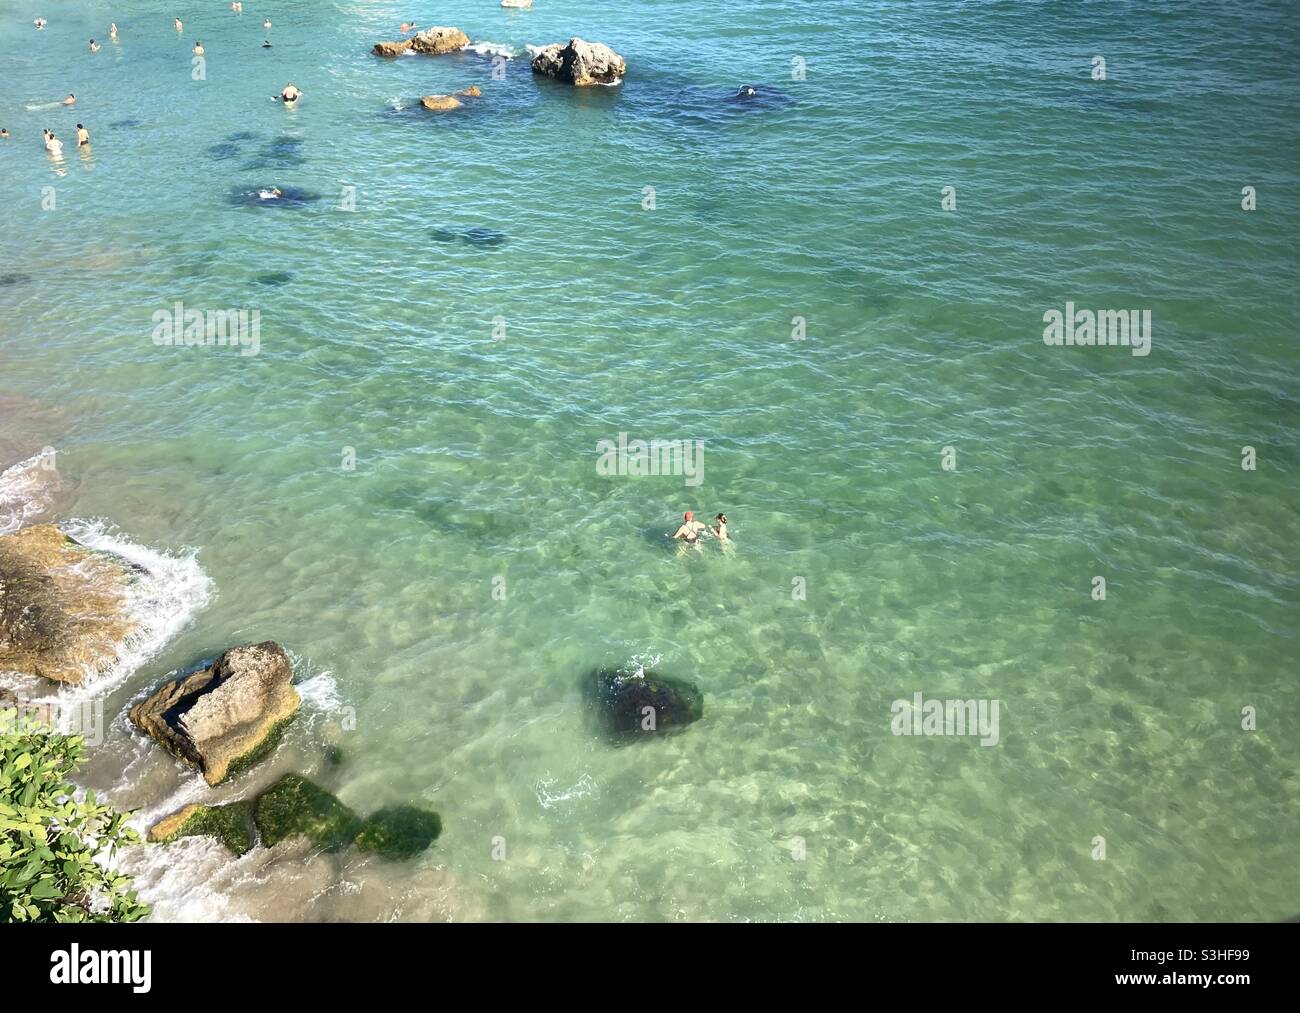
<point x="722" y="517"/>
<point x="688" y="515"/>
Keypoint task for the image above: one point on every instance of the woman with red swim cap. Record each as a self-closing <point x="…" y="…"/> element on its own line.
<point x="690" y="529"/>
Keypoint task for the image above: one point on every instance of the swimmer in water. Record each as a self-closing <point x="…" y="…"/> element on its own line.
<point x="53" y="145"/>
<point x="69" y="101"/>
<point x="690" y="530"/>
<point x="4" y="134"/>
<point x="39" y="23"/>
<point x="94" y="46"/>
<point x="290" y="95"/>
<point x="238" y="8"/>
<point x="83" y="135"/>
<point x="266" y="25"/>
<point x="721" y="529"/>
<point x="198" y="48"/>
<point x="408" y="27"/>
<point x="179" y="24"/>
<point x="112" y="30"/>
<point x="275" y="193"/>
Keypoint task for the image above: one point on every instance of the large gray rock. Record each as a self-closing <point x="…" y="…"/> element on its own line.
<point x="226" y="717"/>
<point x="580" y="63"/>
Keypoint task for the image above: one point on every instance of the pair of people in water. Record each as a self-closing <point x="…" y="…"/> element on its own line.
<point x="691" y="529"/>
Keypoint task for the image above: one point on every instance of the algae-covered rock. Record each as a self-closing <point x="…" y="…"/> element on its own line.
<point x="399" y="832"/>
<point x="225" y="718"/>
<point x="293" y="806"/>
<point x="62" y="606"/>
<point x="230" y="824"/>
<point x="636" y="701"/>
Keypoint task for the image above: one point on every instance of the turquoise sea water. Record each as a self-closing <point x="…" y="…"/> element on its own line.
<point x="476" y="457"/>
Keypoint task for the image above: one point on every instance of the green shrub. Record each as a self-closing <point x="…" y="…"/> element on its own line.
<point x="49" y="840"/>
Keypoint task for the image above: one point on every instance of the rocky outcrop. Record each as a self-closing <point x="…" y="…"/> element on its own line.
<point x="224" y="718"/>
<point x="391" y="48"/>
<point x="443" y="103"/>
<point x="432" y="42"/>
<point x="580" y="63"/>
<point x="641" y="702"/>
<point x="436" y="41"/>
<point x="62" y="606"/>
<point x="230" y="824"/>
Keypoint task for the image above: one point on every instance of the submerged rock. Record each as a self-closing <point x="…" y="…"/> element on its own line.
<point x="230" y="824"/>
<point x="580" y="63"/>
<point x="295" y="807"/>
<point x="484" y="237"/>
<point x="442" y="103"/>
<point x="62" y="606"/>
<point x="641" y="701"/>
<point x="225" y="718"/>
<point x="399" y="832"/>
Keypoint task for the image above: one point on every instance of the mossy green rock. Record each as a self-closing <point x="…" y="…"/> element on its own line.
<point x="399" y="832"/>
<point x="293" y="806"/>
<point x="627" y="702"/>
<point x="230" y="824"/>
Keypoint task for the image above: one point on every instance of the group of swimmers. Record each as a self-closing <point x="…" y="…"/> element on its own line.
<point x="52" y="144"/>
<point x="289" y="94"/>
<point x="691" y="529"/>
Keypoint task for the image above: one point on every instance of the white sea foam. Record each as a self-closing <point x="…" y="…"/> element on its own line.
<point x="551" y="799"/>
<point x="167" y="591"/>
<point x="26" y="489"/>
<point x="493" y="49"/>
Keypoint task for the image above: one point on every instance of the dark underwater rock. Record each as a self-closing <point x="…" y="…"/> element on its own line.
<point x="625" y="701"/>
<point x="484" y="237"/>
<point x="399" y="832"/>
<point x="274" y="278"/>
<point x="224" y="152"/>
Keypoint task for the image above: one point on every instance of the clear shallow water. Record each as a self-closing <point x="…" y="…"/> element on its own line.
<point x="476" y="458"/>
